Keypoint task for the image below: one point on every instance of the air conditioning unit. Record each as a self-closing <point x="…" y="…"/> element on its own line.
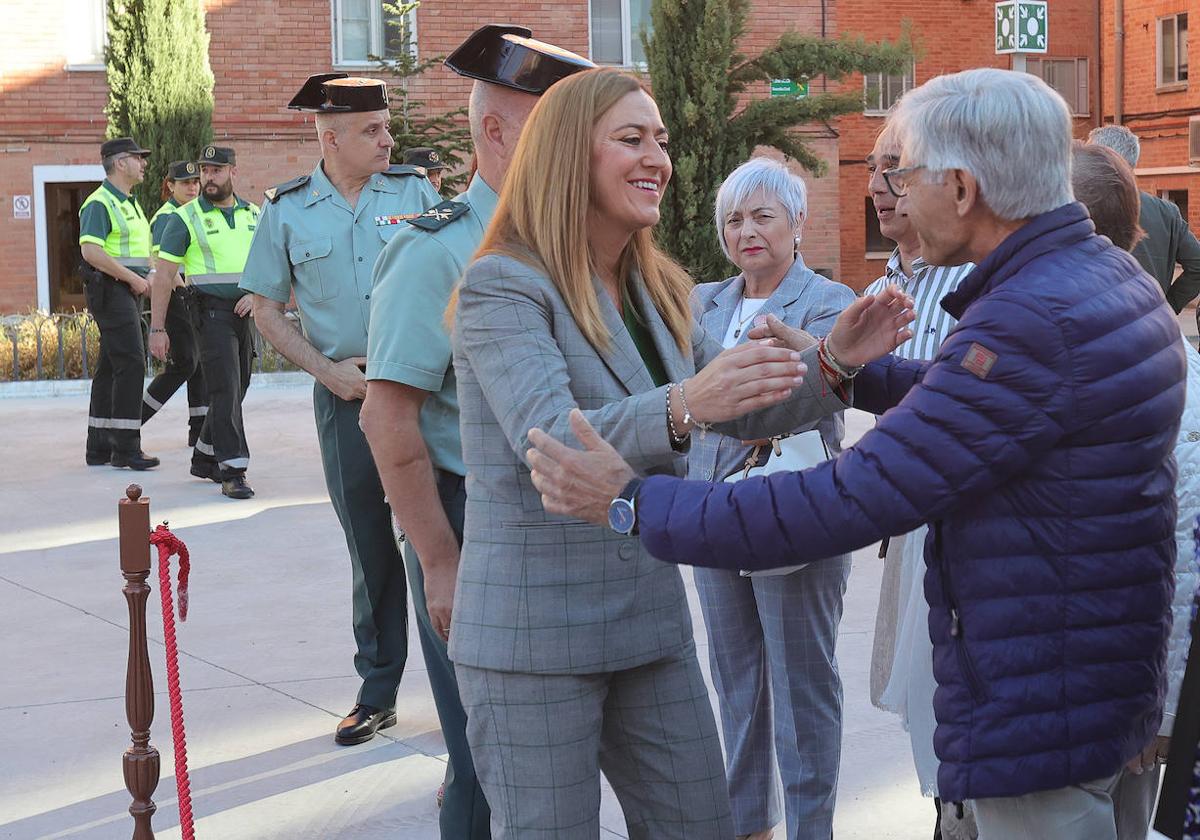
<point x="1194" y="141"/>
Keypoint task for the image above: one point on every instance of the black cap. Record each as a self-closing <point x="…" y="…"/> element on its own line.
<point x="340" y="93"/>
<point x="424" y="156"/>
<point x="183" y="170"/>
<point x="505" y="55"/>
<point x="217" y="156"/>
<point x="122" y="146"/>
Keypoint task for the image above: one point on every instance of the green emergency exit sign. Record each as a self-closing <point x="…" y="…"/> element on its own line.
<point x="788" y="87"/>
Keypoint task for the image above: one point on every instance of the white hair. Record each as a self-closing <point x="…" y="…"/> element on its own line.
<point x="1120" y="139"/>
<point x="773" y="178"/>
<point x="1009" y="129"/>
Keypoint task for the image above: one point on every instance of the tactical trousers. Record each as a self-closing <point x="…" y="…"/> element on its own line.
<point x="183" y="363"/>
<point x="114" y="416"/>
<point x="226" y="350"/>
<point x="379" y="591"/>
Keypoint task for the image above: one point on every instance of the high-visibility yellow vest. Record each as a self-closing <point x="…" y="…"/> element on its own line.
<point x="128" y="240"/>
<point x="217" y="253"/>
<point x="169" y="207"/>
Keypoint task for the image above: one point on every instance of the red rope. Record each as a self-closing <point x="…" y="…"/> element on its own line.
<point x="169" y="544"/>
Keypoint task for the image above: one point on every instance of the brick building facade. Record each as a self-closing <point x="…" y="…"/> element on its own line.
<point x="53" y="92"/>
<point x="1154" y="98"/>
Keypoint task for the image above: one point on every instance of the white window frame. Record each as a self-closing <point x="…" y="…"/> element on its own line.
<point x="98" y="8"/>
<point x="377" y="32"/>
<point x="1087" y="81"/>
<point x="1170" y="84"/>
<point x="626" y="40"/>
<point x="873" y="110"/>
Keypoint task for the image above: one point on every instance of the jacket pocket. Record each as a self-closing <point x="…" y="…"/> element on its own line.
<point x="313" y="269"/>
<point x="957" y="637"/>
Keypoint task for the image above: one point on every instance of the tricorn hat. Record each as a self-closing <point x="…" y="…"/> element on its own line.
<point x="183" y="170"/>
<point x="340" y="93"/>
<point x="506" y="55"/>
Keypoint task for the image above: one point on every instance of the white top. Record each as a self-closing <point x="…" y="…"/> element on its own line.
<point x="742" y="320"/>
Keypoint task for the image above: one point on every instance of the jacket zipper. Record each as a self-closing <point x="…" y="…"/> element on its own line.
<point x="974" y="684"/>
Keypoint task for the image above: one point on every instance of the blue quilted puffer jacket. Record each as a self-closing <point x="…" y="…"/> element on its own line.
<point x="1038" y="445"/>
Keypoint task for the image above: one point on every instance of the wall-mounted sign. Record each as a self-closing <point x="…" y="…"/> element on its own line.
<point x="1022" y="27"/>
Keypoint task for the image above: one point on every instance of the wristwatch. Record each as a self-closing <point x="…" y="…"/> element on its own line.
<point x="622" y="511"/>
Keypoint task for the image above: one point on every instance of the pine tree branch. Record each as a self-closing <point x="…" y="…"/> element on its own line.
<point x="797" y="56"/>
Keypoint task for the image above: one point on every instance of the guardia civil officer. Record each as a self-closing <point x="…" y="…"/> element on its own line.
<point x="114" y="239"/>
<point x="181" y="185"/>
<point x="318" y="237"/>
<point x="411" y="412"/>
<point x="210" y="237"/>
<point x="428" y="159"/>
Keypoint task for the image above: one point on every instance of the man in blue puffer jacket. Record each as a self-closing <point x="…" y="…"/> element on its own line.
<point x="1038" y="444"/>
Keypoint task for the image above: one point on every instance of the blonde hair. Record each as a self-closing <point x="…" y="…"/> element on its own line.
<point x="541" y="218"/>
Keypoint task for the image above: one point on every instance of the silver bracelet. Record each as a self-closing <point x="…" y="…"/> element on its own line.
<point x="688" y="418"/>
<point x="676" y="438"/>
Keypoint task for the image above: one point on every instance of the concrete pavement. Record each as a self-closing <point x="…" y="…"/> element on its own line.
<point x="265" y="653"/>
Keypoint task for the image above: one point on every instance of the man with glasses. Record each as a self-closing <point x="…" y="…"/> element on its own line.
<point x="114" y="240"/>
<point x="902" y="660"/>
<point x="1037" y="444"/>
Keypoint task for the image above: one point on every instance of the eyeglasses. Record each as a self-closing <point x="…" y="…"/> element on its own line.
<point x="897" y="180"/>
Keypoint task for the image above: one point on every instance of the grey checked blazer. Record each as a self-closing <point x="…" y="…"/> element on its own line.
<point x="540" y="593"/>
<point x="802" y="299"/>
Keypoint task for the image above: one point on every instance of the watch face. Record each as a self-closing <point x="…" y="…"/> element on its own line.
<point x="620" y="516"/>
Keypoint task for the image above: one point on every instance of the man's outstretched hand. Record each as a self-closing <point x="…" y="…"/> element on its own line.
<point x="573" y="482"/>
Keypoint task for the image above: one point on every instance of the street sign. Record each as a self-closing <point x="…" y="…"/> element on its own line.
<point x="787" y="87"/>
<point x="1022" y="27"/>
<point x="22" y="205"/>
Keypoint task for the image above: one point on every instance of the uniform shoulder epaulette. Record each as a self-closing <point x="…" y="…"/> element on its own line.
<point x="440" y="215"/>
<point x="405" y="169"/>
<point x="275" y="192"/>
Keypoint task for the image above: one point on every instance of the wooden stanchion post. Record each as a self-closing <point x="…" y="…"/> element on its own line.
<point x="140" y="762"/>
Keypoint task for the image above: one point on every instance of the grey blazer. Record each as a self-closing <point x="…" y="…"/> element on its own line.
<point x="539" y="593"/>
<point x="802" y="299"/>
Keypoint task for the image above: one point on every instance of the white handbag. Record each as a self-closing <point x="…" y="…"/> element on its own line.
<point x="789" y="453"/>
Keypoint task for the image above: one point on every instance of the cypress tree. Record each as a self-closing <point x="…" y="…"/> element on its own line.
<point x="159" y="83"/>
<point x="706" y="93"/>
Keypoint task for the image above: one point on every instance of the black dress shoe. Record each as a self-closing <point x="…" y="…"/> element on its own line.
<point x="362" y="723"/>
<point x="237" y="488"/>
<point x="96" y="459"/>
<point x="206" y="469"/>
<point x="134" y="460"/>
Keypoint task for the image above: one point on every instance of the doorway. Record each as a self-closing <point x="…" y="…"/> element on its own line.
<point x="58" y="193"/>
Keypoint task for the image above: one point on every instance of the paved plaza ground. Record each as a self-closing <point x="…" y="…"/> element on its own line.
<point x="265" y="653"/>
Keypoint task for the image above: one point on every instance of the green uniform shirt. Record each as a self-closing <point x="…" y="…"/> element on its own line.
<point x="311" y="241"/>
<point x="213" y="262"/>
<point x="132" y="234"/>
<point x="414" y="279"/>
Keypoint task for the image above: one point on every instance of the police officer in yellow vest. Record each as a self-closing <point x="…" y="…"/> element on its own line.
<point x="319" y="237"/>
<point x="114" y="239"/>
<point x="211" y="238"/>
<point x="181" y="185"/>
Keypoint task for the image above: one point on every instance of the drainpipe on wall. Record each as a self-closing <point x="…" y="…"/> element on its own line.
<point x="1119" y="64"/>
<point x="1098" y="69"/>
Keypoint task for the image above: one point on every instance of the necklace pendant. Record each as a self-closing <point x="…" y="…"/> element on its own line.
<point x="737" y="333"/>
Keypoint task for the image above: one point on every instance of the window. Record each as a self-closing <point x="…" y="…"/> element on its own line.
<point x="617" y="27"/>
<point x="1172" y="50"/>
<point x="85" y="34"/>
<point x="878" y="245"/>
<point x="1068" y="76"/>
<point x="881" y="92"/>
<point x="1177" y="197"/>
<point x="363" y="28"/>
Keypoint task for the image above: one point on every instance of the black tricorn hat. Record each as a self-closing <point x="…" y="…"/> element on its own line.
<point x="506" y="55"/>
<point x="183" y="170"/>
<point x="122" y="146"/>
<point x="340" y="93"/>
<point x="424" y="156"/>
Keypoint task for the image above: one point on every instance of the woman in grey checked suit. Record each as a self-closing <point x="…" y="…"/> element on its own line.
<point x="573" y="647"/>
<point x="771" y="637"/>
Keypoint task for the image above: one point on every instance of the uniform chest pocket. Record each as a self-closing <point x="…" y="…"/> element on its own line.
<point x="313" y="268"/>
<point x="386" y="232"/>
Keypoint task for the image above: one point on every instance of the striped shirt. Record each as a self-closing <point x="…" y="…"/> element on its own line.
<point x="927" y="285"/>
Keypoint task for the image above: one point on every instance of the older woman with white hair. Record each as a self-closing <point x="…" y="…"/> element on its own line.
<point x="772" y="636"/>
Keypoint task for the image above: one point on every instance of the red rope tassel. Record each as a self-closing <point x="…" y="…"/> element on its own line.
<point x="169" y="544"/>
